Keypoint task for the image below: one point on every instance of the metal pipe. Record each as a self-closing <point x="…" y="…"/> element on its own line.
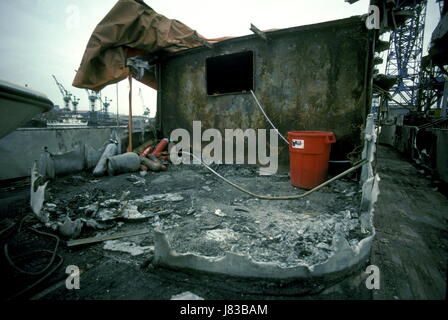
<point x="130" y="115"/>
<point x="118" y="121"/>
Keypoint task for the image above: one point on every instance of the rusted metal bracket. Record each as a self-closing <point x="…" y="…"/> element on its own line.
<point x="258" y="32"/>
<point x="137" y="66"/>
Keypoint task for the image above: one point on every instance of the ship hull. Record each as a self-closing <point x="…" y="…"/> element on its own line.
<point x="19" y="105"/>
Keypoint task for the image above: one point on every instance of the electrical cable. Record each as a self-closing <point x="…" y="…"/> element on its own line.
<point x="355" y="166"/>
<point x="41" y="278"/>
<point x="4" y="231"/>
<point x="278" y="132"/>
<point x="12" y="264"/>
<point x="267" y="118"/>
<point x="48" y="269"/>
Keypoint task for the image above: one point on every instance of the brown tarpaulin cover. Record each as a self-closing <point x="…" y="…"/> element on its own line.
<point x="130" y="24"/>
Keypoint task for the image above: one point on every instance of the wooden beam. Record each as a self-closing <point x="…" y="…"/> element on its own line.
<point x="258" y="32"/>
<point x="202" y="41"/>
<point x="132" y="233"/>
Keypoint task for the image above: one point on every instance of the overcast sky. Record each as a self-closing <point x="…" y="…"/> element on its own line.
<point x="45" y="37"/>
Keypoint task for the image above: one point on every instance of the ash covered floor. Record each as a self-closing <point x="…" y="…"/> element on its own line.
<point x="287" y="232"/>
<point x="121" y="269"/>
<point x="201" y="214"/>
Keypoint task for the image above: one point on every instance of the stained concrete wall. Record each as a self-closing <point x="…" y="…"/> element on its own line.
<point x="308" y="78"/>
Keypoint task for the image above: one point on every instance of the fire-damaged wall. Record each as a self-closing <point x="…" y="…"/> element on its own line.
<point x="313" y="77"/>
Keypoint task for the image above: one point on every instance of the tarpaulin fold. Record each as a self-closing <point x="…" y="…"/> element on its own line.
<point x="129" y="24"/>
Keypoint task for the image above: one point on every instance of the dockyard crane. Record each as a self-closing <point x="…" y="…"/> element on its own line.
<point x="66" y="96"/>
<point x="106" y="104"/>
<point x="75" y="102"/>
<point x="405" y="51"/>
<point x="145" y="109"/>
<point x="93" y="96"/>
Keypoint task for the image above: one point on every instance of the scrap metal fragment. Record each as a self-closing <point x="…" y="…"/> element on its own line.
<point x="187" y="295"/>
<point x="137" y="66"/>
<point x="127" y="247"/>
<point x="38" y="194"/>
<point x="219" y="213"/>
<point x="71" y="229"/>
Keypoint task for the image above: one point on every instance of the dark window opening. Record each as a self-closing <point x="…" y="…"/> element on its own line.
<point x="231" y="73"/>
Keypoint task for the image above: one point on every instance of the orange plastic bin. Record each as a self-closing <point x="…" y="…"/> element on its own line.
<point x="309" y="152"/>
